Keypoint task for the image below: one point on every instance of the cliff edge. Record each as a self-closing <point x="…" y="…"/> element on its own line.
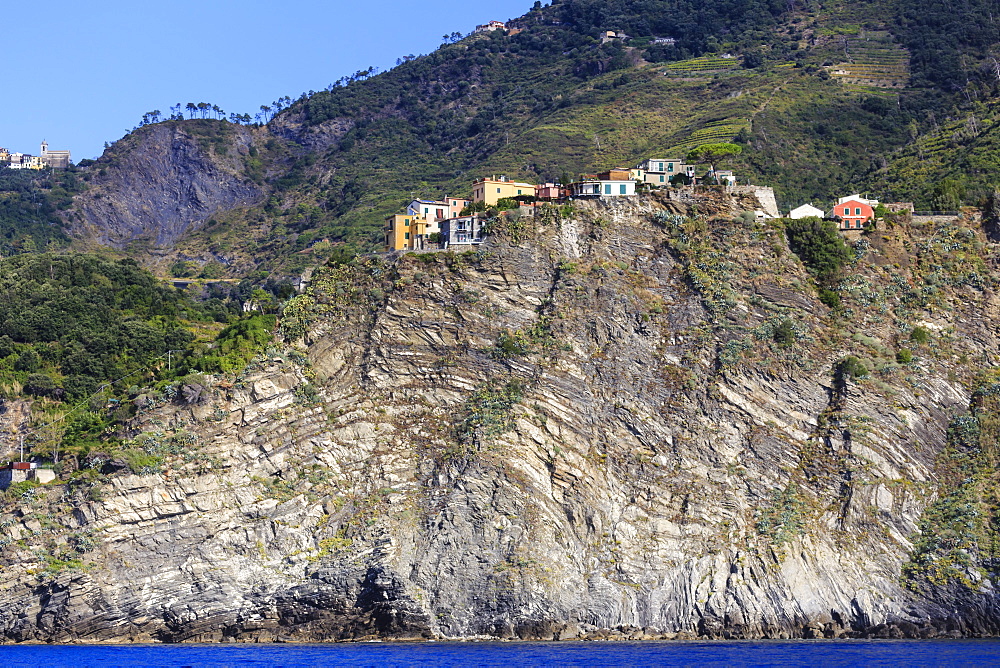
<point x="613" y="420"/>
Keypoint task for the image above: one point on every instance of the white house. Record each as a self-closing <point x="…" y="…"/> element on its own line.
<point x="806" y="211"/>
<point x="602" y="188"/>
<point x="725" y="177"/>
<point x="491" y="26"/>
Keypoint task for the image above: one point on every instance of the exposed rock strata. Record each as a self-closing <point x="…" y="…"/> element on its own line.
<point x="169" y="179"/>
<point x="617" y="490"/>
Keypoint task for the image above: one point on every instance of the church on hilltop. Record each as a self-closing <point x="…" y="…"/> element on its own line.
<point x="54" y="159"/>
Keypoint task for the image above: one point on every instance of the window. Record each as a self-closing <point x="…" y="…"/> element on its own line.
<point x="622" y="189"/>
<point x="426" y="210"/>
<point x="857" y="211"/>
<point x="406" y="236"/>
<point x="498" y="191"/>
<point x="661" y="167"/>
<point x="670" y="167"/>
<point x="607" y="188"/>
<point x="847" y="210"/>
<point x="407" y="222"/>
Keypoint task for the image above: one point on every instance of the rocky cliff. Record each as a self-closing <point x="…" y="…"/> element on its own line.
<point x="155" y="184"/>
<point x="611" y="420"/>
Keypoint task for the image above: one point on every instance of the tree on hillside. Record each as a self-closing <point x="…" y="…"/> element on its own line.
<point x="714" y="153"/>
<point x="820" y="247"/>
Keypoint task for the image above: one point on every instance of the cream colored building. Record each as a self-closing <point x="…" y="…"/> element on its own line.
<point x="494" y="189"/>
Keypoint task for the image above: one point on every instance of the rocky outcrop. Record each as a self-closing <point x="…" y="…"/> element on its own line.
<point x="586" y="428"/>
<point x="158" y="182"/>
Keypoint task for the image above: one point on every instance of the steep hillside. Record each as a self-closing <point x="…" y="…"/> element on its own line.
<point x="152" y="186"/>
<point x="819" y="95"/>
<point x="631" y="419"/>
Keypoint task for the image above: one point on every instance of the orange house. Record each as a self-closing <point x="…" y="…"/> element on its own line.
<point x="853" y="213"/>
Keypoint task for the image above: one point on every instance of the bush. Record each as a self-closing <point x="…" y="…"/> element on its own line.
<point x="904" y="356"/>
<point x="819" y="245"/>
<point x="41" y="385"/>
<point x="784" y="333"/>
<point x="850" y="367"/>
<point x="920" y="335"/>
<point x="830" y="297"/>
<point x="506" y="203"/>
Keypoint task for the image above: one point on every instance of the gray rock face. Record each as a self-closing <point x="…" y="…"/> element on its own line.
<point x="577" y="431"/>
<point x="163" y="183"/>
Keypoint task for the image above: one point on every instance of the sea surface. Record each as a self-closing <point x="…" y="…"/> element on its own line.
<point x="816" y="654"/>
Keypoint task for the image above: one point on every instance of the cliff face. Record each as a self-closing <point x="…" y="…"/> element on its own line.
<point x="589" y="427"/>
<point x="155" y="184"/>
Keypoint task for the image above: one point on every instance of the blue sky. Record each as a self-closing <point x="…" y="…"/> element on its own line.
<point x="82" y="73"/>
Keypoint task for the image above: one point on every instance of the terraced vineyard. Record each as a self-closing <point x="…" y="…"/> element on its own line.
<point x="873" y="59"/>
<point x="697" y="67"/>
<point x="716" y="132"/>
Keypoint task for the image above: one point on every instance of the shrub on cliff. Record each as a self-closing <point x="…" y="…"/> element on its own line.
<point x="819" y="245"/>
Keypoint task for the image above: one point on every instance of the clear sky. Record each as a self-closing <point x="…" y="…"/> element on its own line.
<point x="79" y="73"/>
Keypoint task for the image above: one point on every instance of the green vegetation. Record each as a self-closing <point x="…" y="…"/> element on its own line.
<point x="959" y="533"/>
<point x="850" y="368"/>
<point x="820" y="247"/>
<point x="489" y="413"/>
<point x="93" y="340"/>
<point x="30" y="201"/>
<point x="69" y="323"/>
<point x="784" y="517"/>
<point x="238" y="344"/>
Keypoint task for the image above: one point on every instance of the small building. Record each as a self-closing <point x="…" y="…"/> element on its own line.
<point x="724" y="177"/>
<point x="551" y="191"/>
<point x="664" y="41"/>
<point x="432" y="209"/>
<point x="806" y="211"/>
<point x="491" y="26"/>
<point x="493" y="189"/>
<point x="853" y="212"/>
<point x="4" y="155"/>
<point x="899" y="207"/>
<point x="21" y="471"/>
<point x="610" y="35"/>
<point x="462" y="231"/>
<point x="616" y="183"/>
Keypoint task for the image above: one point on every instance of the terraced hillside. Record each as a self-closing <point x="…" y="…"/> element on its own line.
<point x="873" y="58"/>
<point x="724" y="130"/>
<point x="700" y="67"/>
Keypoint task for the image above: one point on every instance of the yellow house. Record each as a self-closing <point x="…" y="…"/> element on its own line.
<point x="493" y="189"/>
<point x="400" y="230"/>
<point x="406" y="231"/>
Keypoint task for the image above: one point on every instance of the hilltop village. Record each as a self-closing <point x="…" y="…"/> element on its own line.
<point x="46" y="159"/>
<point x="458" y="221"/>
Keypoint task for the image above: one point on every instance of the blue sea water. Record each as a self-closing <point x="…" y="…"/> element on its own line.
<point x="816" y="654"/>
